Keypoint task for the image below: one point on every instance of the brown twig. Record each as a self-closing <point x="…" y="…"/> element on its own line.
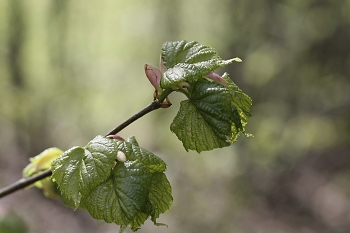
<point x="24" y="182"/>
<point x="152" y="106"/>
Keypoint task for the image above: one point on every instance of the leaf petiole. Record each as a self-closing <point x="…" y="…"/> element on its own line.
<point x="164" y="94"/>
<point x="184" y="91"/>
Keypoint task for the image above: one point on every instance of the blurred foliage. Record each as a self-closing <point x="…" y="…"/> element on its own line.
<point x="70" y="70"/>
<point x="11" y="223"/>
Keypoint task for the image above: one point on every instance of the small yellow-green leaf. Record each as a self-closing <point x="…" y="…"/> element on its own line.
<point x="42" y="162"/>
<point x="237" y="59"/>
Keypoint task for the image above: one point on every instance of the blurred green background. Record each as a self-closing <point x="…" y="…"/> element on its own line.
<point x="70" y="70"/>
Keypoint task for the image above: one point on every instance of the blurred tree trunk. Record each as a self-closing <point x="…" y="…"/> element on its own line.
<point x="15" y="43"/>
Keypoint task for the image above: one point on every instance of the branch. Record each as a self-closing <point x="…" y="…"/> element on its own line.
<point x="152" y="106"/>
<point x="24" y="182"/>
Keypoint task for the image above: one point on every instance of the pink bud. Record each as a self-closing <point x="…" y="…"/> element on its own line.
<point x="217" y="78"/>
<point x="154" y="75"/>
<point x="116" y="137"/>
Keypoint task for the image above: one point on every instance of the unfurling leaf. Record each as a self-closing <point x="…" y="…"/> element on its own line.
<point x="40" y="163"/>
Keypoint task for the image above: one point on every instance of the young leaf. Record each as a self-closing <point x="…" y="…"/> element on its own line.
<point x="122" y="196"/>
<point x="186" y="52"/>
<point x="135" y="153"/>
<point x="204" y="120"/>
<point x="135" y="189"/>
<point x="42" y="162"/>
<point x="78" y="170"/>
<point x="242" y="103"/>
<point x="188" y="62"/>
<point x="132" y="140"/>
<point x="160" y="195"/>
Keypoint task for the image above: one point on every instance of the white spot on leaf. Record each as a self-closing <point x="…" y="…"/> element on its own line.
<point x="121" y="156"/>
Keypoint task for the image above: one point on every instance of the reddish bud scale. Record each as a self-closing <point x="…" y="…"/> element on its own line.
<point x="217" y="78"/>
<point x="166" y="103"/>
<point x="116" y="137"/>
<point x="154" y="75"/>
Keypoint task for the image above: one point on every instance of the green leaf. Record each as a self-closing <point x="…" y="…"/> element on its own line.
<point x="127" y="192"/>
<point x="204" y="120"/>
<point x="160" y="195"/>
<point x="214" y="116"/>
<point x="188" y="62"/>
<point x="120" y="198"/>
<point x="78" y="170"/>
<point x="242" y="103"/>
<point x="135" y="153"/>
<point x="135" y="189"/>
<point x="132" y="140"/>
<point x="186" y="52"/>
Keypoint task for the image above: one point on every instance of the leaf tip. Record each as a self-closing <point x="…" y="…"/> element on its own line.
<point x="237" y="59"/>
